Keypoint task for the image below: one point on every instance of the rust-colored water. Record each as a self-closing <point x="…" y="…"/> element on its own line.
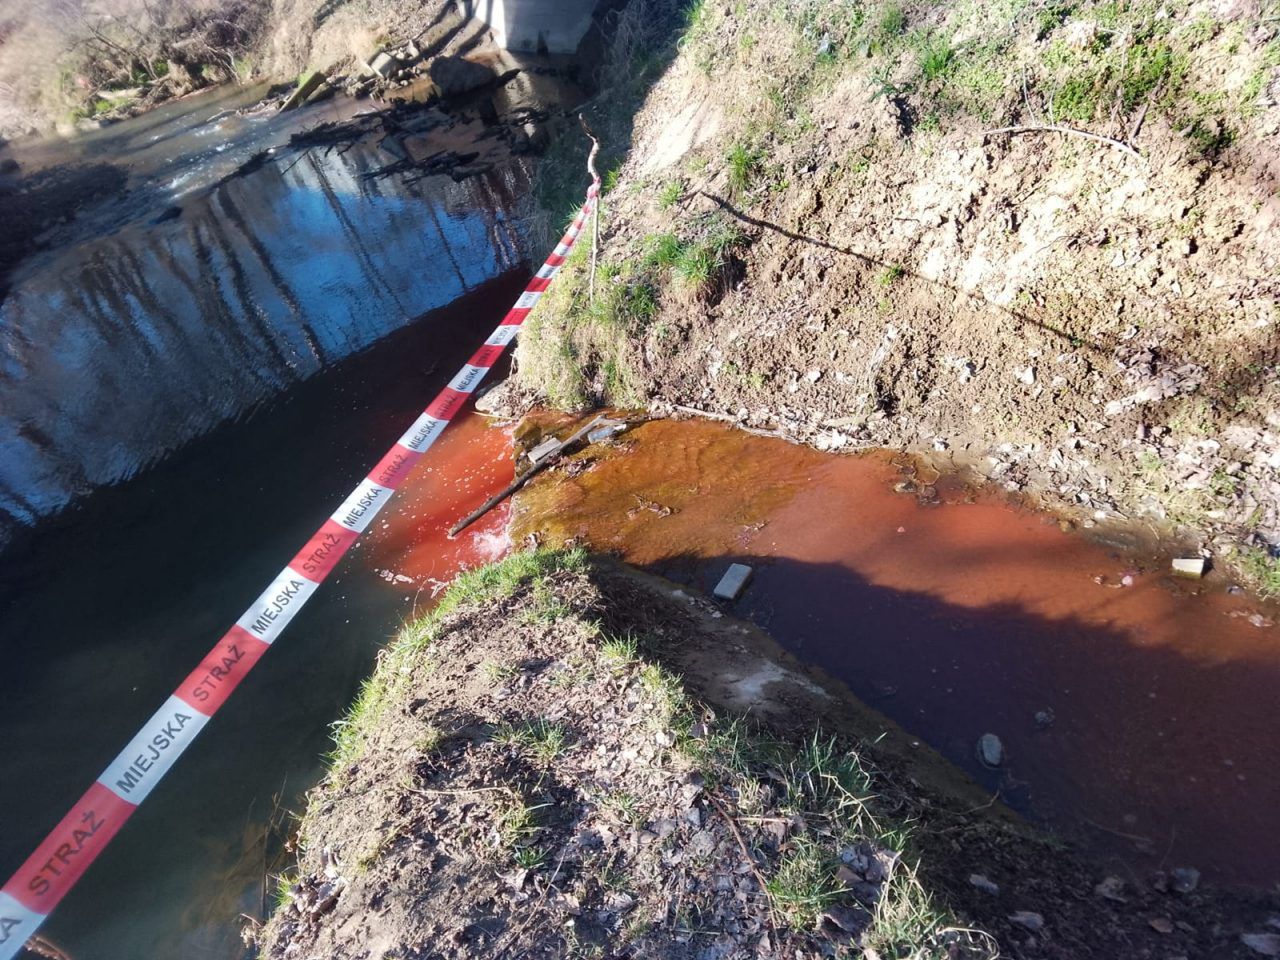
<point x="971" y="616"/>
<point x="410" y="545"/>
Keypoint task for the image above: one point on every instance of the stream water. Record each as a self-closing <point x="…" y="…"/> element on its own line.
<point x="184" y="396"/>
<point x="1135" y="718"/>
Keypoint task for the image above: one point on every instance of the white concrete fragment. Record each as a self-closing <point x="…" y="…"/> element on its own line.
<point x="733" y="582"/>
<point x="1189" y="566"/>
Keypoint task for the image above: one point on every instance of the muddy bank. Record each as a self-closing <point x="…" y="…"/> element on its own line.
<point x="814" y="232"/>
<point x="557" y="762"/>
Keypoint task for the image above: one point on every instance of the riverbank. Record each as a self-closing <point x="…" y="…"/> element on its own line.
<point x="569" y="757"/>
<point x="812" y="231"/>
<point x="72" y="69"/>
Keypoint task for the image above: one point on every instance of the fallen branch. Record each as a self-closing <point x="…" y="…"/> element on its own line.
<point x="1072" y="131"/>
<point x="595" y="209"/>
<point x="751" y="860"/>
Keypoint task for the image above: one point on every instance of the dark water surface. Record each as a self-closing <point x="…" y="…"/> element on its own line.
<point x="1156" y="742"/>
<point x="191" y="296"/>
<point x="183" y="400"/>
<point x="106" y="609"/>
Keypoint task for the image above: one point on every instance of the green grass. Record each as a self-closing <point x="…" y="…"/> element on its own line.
<point x="892" y="21"/>
<point x="625" y="806"/>
<point x="541" y="739"/>
<point x="745" y="164"/>
<point x="493" y="582"/>
<point x="663" y="250"/>
<point x="935" y="56"/>
<point x="1263" y="570"/>
<point x="499" y="672"/>
<point x="696" y="266"/>
<point x="804" y="884"/>
<point x="890" y="275"/>
<point x="670" y="194"/>
<point x="283" y="895"/>
<point x="618" y="652"/>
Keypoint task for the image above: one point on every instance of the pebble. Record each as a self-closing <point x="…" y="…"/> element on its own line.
<point x="1185" y="879"/>
<point x="990" y="750"/>
<point x="1267" y="944"/>
<point x="1111" y="888"/>
<point x="1028" y="920"/>
<point x="982" y="883"/>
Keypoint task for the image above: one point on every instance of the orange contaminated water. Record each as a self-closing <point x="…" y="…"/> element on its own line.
<point x="410" y="544"/>
<point x="1136" y="711"/>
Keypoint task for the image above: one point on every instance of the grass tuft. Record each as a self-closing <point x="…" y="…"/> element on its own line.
<point x="745" y="163"/>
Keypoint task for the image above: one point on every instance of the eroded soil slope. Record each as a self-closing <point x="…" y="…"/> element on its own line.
<point x="816" y="230"/>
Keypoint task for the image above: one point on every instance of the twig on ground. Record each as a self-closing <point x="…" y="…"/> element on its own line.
<point x="1115" y="833"/>
<point x="1071" y="131"/>
<point x="726" y="418"/>
<point x="595" y="208"/>
<point x="746" y="852"/>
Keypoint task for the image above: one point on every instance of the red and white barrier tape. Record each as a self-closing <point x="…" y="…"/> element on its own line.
<point x="49" y="873"/>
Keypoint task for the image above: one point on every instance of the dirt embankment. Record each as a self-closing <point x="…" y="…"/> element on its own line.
<point x="570" y="758"/>
<point x="815" y="231"/>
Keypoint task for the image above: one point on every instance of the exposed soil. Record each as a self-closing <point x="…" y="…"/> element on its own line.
<point x="419" y="848"/>
<point x="1051" y="312"/>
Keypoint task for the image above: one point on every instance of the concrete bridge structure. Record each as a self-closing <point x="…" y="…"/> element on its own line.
<point x="533" y="26"/>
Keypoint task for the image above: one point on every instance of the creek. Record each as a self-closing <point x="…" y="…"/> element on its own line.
<point x="194" y="371"/>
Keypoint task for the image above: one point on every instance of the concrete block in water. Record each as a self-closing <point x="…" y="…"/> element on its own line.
<point x="1189" y="566"/>
<point x="733" y="582"/>
<point x="308" y="85"/>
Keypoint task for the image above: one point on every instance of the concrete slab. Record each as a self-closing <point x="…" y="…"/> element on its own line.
<point x="733" y="582"/>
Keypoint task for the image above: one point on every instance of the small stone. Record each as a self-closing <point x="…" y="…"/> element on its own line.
<point x="1027" y="376"/>
<point x="1185" y="879"/>
<point x="1267" y="944"/>
<point x="1161" y="924"/>
<point x="980" y="882"/>
<point x="1111" y="889"/>
<point x="990" y="750"/>
<point x="848" y="919"/>
<point x="1028" y="920"/>
<point x="1044" y="717"/>
<point x="703" y="844"/>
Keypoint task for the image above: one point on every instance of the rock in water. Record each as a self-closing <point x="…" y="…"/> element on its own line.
<point x="454" y="75"/>
<point x="990" y="750"/>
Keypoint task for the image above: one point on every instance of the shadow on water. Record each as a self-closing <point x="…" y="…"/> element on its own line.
<point x="104" y="608"/>
<point x="968" y="616"/>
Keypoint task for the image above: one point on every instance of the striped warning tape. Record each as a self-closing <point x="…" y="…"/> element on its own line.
<point x="49" y="873"/>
